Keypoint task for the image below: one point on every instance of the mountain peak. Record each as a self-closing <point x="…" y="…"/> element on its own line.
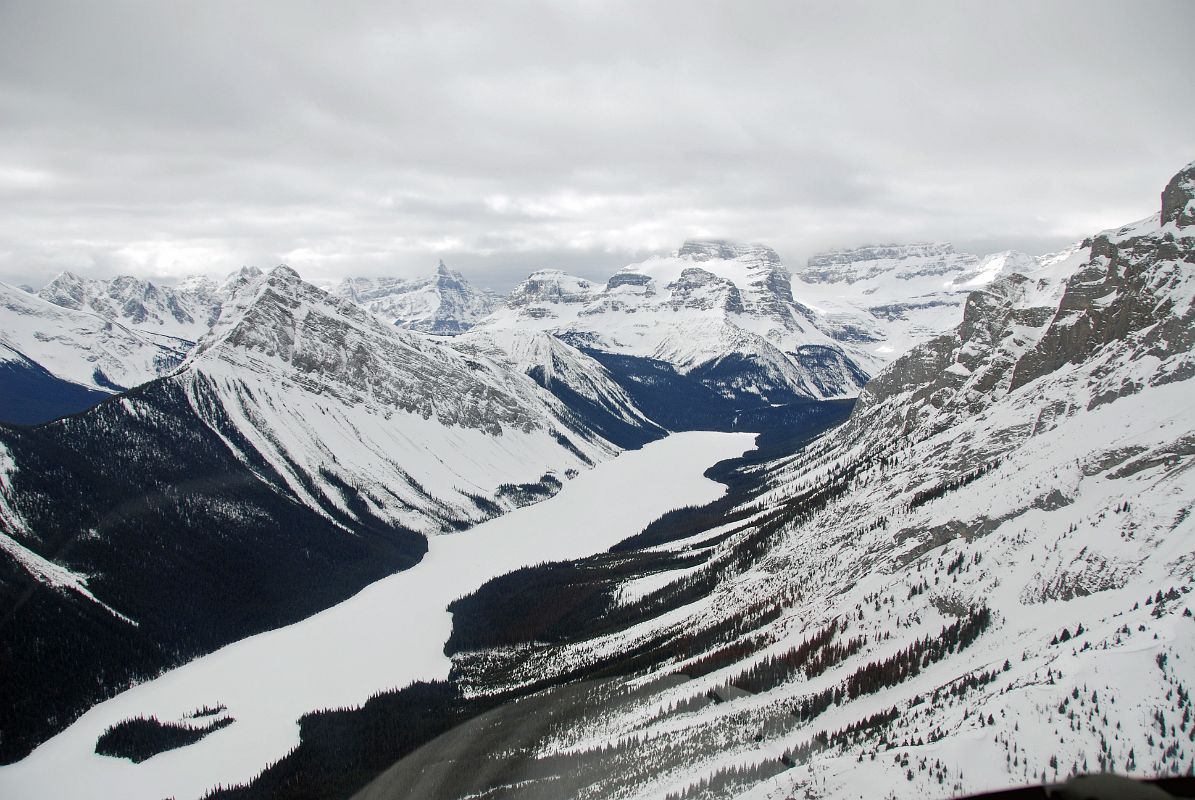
<point x="443" y="270"/>
<point x="282" y="272"/>
<point x="1178" y="198"/>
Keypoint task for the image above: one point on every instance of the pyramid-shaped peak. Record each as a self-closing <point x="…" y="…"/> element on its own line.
<point x="284" y="272"/>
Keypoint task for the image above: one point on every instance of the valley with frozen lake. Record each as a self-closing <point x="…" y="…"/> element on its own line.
<point x="389" y="634"/>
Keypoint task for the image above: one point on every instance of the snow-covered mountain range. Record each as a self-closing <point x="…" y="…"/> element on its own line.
<point x="718" y="312"/>
<point x="186" y="311"/>
<point x="717" y="335"/>
<point x="980" y="580"/>
<point x="302" y="450"/>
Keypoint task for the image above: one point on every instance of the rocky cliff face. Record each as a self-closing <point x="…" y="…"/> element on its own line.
<point x="883" y="300"/>
<point x="905" y="260"/>
<point x="1177" y="204"/>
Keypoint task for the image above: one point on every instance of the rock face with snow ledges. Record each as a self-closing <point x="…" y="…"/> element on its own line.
<point x="445" y="304"/>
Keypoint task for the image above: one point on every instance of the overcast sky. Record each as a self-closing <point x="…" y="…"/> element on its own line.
<point x="165" y="138"/>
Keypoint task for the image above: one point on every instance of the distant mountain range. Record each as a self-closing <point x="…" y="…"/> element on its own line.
<point x="718" y="335"/>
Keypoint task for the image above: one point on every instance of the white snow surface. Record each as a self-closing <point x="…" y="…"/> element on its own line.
<point x="391" y="633"/>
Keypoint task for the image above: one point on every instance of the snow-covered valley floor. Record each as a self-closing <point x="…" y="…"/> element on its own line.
<point x="391" y="633"/>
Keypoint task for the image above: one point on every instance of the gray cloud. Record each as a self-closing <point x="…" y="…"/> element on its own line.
<point x="369" y="138"/>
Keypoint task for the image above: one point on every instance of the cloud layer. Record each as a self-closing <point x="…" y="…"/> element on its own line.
<point x="359" y="138"/>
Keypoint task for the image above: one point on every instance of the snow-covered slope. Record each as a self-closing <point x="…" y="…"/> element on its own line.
<point x="982" y="580"/>
<point x="80" y="347"/>
<point x="580" y="382"/>
<point x="718" y="311"/>
<point x="293" y="458"/>
<point x="883" y="300"/>
<point x="444" y="304"/>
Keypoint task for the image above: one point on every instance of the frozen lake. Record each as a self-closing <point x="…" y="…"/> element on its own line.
<point x="389" y="634"/>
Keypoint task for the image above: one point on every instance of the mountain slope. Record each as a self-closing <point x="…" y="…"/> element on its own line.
<point x="294" y="458"/>
<point x="445" y="304"/>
